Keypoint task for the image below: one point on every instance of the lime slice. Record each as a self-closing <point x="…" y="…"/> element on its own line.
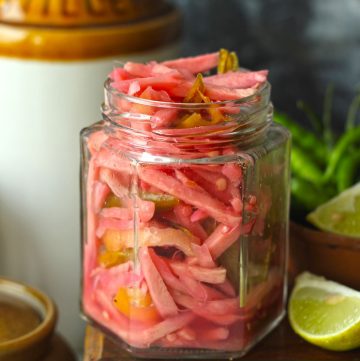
<point x="325" y="313"/>
<point x="340" y="214"/>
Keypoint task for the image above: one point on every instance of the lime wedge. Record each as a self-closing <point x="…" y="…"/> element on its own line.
<point x="325" y="313"/>
<point x="340" y="214"/>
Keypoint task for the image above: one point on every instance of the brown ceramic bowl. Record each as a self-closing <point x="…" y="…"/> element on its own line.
<point x="33" y="344"/>
<point x="328" y="254"/>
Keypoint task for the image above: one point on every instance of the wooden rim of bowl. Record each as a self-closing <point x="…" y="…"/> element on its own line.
<point x="47" y="325"/>
<point x="324" y="238"/>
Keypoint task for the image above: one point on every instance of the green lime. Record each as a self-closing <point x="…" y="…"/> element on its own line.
<point x="340" y="214"/>
<point x="325" y="313"/>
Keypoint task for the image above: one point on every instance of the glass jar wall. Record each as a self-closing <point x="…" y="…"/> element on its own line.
<point x="185" y="226"/>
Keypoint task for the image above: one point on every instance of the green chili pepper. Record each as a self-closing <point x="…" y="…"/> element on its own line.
<point x="307" y="195"/>
<point x="352" y="112"/>
<point x="322" y="168"/>
<point x="303" y="138"/>
<point x="304" y="167"/>
<point x="347" y="170"/>
<point x="348" y="139"/>
<point x="328" y="135"/>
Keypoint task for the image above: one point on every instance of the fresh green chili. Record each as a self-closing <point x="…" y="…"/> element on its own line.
<point x="321" y="167"/>
<point x="303" y="166"/>
<point x="307" y="195"/>
<point x="344" y="143"/>
<point x="327" y="130"/>
<point x="347" y="169"/>
<point x="352" y="112"/>
<point x="303" y="138"/>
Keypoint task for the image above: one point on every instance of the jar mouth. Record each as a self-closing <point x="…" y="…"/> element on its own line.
<point x="263" y="90"/>
<point x="136" y="123"/>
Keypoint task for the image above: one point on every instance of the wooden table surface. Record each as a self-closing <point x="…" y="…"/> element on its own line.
<point x="59" y="350"/>
<point x="280" y="345"/>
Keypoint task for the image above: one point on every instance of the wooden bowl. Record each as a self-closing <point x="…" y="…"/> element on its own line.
<point x="34" y="344"/>
<point x="328" y="254"/>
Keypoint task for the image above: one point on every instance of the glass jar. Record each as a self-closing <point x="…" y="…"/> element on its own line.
<point x="185" y="230"/>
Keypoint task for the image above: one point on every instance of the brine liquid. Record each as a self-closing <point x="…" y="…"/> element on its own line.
<point x="17" y="318"/>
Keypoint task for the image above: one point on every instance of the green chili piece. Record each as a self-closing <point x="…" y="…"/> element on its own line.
<point x="348" y="139"/>
<point x="303" y="138"/>
<point x="303" y="166"/>
<point x="223" y="55"/>
<point x="191" y="121"/>
<point x="163" y="202"/>
<point x="234" y="61"/>
<point x="198" y="86"/>
<point x="347" y="170"/>
<point x="307" y="195"/>
<point x="112" y="201"/>
<point x="228" y="61"/>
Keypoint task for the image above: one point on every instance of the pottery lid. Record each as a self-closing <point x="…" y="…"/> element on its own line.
<point x="78" y="13"/>
<point x="85" y="29"/>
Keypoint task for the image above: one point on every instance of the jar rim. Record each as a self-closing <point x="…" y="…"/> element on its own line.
<point x="246" y="124"/>
<point x="263" y="89"/>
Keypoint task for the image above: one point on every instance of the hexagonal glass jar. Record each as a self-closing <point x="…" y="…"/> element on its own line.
<point x="185" y="230"/>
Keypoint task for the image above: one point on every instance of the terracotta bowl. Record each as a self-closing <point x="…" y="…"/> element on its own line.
<point x="34" y="344"/>
<point x="333" y="256"/>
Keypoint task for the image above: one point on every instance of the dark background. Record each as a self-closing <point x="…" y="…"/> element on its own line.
<point x="304" y="43"/>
